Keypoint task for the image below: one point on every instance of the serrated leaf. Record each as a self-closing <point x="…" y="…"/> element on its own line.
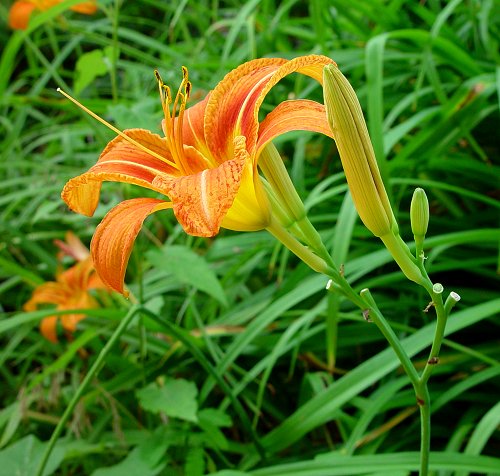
<point x="188" y="268"/>
<point x="176" y="398"/>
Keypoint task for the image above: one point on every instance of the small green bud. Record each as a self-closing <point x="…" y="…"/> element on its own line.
<point x="419" y="213"/>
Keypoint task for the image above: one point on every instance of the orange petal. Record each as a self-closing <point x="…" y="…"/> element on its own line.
<point x="311" y="65"/>
<point x="48" y="328"/>
<point x="95" y="282"/>
<point x="79" y="300"/>
<point x="19" y="15"/>
<point x="70" y="321"/>
<point x="234" y="104"/>
<point x="195" y="161"/>
<point x="120" y="161"/>
<point x="46" y="4"/>
<point x="86" y="8"/>
<point x="72" y="247"/>
<point x="202" y="200"/>
<point x="76" y="278"/>
<point x="298" y="115"/>
<point x="193" y="127"/>
<point x="114" y="237"/>
<point x="229" y="98"/>
<point x="47" y="293"/>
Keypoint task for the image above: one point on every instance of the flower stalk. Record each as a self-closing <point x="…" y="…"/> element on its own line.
<point x="372" y="203"/>
<point x="360" y="166"/>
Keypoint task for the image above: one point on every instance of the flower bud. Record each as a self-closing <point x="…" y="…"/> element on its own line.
<point x="356" y="153"/>
<point x="361" y="170"/>
<point x="419" y="213"/>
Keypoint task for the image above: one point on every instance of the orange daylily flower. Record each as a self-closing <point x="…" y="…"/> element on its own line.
<point x="69" y="291"/>
<point x="21" y="10"/>
<point x="207" y="163"/>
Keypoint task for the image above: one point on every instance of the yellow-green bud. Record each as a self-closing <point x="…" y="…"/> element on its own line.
<point x="361" y="170"/>
<point x="356" y="153"/>
<point x="419" y="213"/>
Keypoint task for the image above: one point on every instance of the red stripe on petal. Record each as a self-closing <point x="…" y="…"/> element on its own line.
<point x="311" y="65"/>
<point x="120" y="161"/>
<point x="227" y="100"/>
<point x="193" y="127"/>
<point x="114" y="238"/>
<point x="201" y="201"/>
<point x="297" y="115"/>
<point x="120" y="149"/>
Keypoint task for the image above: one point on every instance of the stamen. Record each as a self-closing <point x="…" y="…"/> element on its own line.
<point x="174" y="117"/>
<point x="117" y="131"/>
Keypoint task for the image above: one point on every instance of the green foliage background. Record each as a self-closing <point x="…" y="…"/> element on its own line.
<point x="225" y="371"/>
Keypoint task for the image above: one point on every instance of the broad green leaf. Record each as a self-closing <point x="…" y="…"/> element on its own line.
<point x="146" y="459"/>
<point x="23" y="457"/>
<point x="175" y="398"/>
<point x="90" y="66"/>
<point x="188" y="268"/>
<point x="132" y="465"/>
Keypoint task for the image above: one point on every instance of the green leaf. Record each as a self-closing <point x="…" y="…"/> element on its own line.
<point x="23" y="457"/>
<point x="132" y="465"/>
<point x="195" y="462"/>
<point x="13" y="416"/>
<point x="210" y="419"/>
<point x="215" y="417"/>
<point x="147" y="459"/>
<point x="176" y="398"/>
<point x="188" y="268"/>
<point x="90" y="66"/>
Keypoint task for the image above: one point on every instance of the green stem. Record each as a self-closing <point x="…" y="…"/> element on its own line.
<point x="401" y="254"/>
<point x="377" y="317"/>
<point x="83" y="386"/>
<point x="442" y="317"/>
<point x="305" y="254"/>
<point x="332" y="326"/>
<point x="425" y="429"/>
<point x="413" y="268"/>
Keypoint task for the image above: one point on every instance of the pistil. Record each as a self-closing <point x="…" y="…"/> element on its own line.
<point x="118" y="131"/>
